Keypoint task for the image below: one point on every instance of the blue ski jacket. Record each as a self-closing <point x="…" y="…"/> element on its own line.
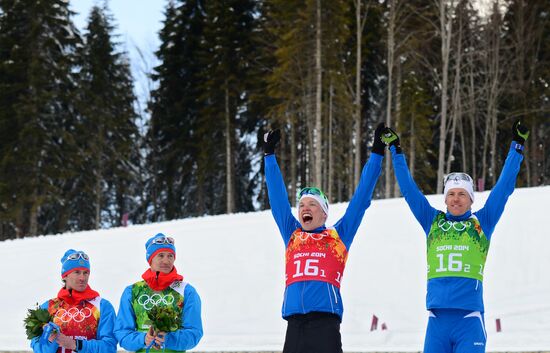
<point x="458" y="292"/>
<point x="105" y="341"/>
<point x="317" y="296"/>
<point x="180" y="340"/>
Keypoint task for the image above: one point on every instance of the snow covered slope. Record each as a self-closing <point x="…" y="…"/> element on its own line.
<point x="236" y="264"/>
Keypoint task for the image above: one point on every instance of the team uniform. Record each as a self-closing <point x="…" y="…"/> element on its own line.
<point x="162" y="286"/>
<point x="90" y="320"/>
<point x="457" y="248"/>
<point x="137" y="299"/>
<point x="315" y="261"/>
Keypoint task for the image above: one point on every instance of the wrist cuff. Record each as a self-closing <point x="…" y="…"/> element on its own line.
<point x="78" y="345"/>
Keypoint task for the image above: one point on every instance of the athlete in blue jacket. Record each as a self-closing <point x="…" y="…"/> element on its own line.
<point x="457" y="246"/>
<point x="316" y="255"/>
<point x="161" y="286"/>
<point x="85" y="320"/>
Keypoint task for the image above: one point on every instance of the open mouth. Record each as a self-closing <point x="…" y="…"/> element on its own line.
<point x="307" y="217"/>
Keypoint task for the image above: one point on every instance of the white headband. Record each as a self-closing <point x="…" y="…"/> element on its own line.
<point x="459" y="184"/>
<point x="319" y="199"/>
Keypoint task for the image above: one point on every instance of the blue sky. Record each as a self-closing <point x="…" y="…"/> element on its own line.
<point x="137" y="25"/>
<point x="138" y="21"/>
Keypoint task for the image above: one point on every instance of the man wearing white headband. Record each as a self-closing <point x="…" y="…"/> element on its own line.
<point x="315" y="254"/>
<point x="457" y="246"/>
<point x="459" y="193"/>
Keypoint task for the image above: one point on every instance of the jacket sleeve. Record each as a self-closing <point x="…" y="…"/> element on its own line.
<point x="125" y="325"/>
<point x="278" y="199"/>
<point x="105" y="341"/>
<point x="419" y="205"/>
<point x="190" y="333"/>
<point x="489" y="215"/>
<point x="45" y="347"/>
<point x="349" y="223"/>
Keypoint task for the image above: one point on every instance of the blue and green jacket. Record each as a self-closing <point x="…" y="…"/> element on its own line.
<point x="132" y="338"/>
<point x="458" y="292"/>
<point x="316" y="296"/>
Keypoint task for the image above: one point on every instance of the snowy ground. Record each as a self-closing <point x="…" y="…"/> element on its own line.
<point x="236" y="264"/>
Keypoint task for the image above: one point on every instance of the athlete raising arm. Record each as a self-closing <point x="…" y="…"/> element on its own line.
<point x="315" y="254"/>
<point x="457" y="246"/>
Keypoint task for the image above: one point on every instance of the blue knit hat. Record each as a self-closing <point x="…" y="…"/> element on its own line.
<point x="74" y="260"/>
<point x="158" y="243"/>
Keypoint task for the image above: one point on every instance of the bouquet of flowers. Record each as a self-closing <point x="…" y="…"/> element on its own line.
<point x="164" y="318"/>
<point x="35" y="321"/>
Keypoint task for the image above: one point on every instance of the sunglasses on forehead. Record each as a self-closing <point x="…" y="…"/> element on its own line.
<point x="312" y="191"/>
<point x="163" y="240"/>
<point x="457" y="177"/>
<point x="77" y="255"/>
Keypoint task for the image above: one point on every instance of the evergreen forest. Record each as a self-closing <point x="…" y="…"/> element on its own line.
<point x="78" y="151"/>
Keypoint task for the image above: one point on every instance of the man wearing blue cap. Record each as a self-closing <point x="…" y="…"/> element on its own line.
<point x="316" y="255"/>
<point x="85" y="319"/>
<point x="161" y="286"/>
<point x="457" y="243"/>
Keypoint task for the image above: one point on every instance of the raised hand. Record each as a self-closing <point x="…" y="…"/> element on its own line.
<point x="378" y="145"/>
<point x="271" y="139"/>
<point x="520" y="132"/>
<point x="390" y="138"/>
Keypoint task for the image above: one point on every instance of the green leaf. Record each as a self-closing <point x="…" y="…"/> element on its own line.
<point x="164" y="318"/>
<point x="35" y="320"/>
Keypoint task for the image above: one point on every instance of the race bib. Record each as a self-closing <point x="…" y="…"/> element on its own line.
<point x="315" y="257"/>
<point x="76" y="321"/>
<point x="456" y="249"/>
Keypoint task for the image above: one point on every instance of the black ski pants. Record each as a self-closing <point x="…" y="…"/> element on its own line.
<point x="313" y="332"/>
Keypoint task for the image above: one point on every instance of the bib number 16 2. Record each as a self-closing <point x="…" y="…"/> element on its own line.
<point x="454" y="264"/>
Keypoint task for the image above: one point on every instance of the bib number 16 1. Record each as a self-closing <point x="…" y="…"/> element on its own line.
<point x="310" y="268"/>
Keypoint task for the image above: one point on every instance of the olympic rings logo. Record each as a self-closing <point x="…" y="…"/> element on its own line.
<point x="74" y="314"/>
<point x="458" y="226"/>
<point x="148" y="302"/>
<point x="303" y="236"/>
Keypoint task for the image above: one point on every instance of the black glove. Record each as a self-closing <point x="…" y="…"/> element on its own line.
<point x="391" y="138"/>
<point x="377" y="145"/>
<point x="271" y="139"/>
<point x="520" y="132"/>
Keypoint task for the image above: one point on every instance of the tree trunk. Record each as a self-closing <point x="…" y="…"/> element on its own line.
<point x="317" y="158"/>
<point x="357" y="138"/>
<point x="330" y="180"/>
<point x="456" y="97"/>
<point x="412" y="148"/>
<point x="229" y="173"/>
<point x="397" y="117"/>
<point x="472" y="119"/>
<point x="33" y="218"/>
<point x="445" y="22"/>
<point x="293" y="162"/>
<point x="390" y="61"/>
<point x="494" y="90"/>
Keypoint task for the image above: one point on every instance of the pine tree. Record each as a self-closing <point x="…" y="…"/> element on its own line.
<point x="229" y="43"/>
<point x="294" y="84"/>
<point x="38" y="42"/>
<point x="174" y="107"/>
<point x="527" y="54"/>
<point x="107" y="175"/>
